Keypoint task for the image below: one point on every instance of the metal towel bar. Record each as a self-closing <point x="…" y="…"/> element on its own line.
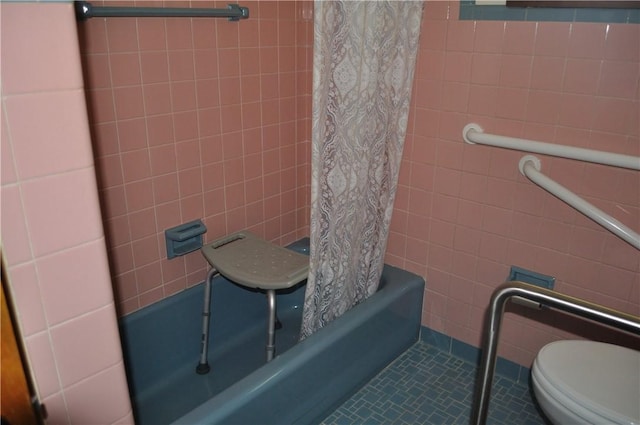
<point x="85" y="10"/>
<point x="551" y="299"/>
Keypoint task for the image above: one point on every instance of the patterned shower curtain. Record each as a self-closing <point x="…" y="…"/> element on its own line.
<point x="363" y="66"/>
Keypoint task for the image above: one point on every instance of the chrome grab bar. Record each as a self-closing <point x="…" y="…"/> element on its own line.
<point x="505" y="292"/>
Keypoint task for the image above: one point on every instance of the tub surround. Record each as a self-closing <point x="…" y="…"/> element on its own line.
<point x="162" y="342"/>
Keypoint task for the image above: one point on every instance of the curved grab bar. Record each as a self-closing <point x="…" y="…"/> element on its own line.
<point x="530" y="167"/>
<point x="473" y="133"/>
<point x="505" y="292"/>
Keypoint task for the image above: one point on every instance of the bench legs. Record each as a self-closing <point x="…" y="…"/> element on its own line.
<point x="271" y="324"/>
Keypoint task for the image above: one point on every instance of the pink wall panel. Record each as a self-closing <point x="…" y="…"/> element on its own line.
<point x="196" y="119"/>
<point x="565" y="83"/>
<point x="52" y="238"/>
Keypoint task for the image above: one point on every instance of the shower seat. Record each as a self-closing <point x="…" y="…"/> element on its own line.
<point x="250" y="261"/>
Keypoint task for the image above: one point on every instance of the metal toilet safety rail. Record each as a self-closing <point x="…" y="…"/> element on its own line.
<point x="517" y="291"/>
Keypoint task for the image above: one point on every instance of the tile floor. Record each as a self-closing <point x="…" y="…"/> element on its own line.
<point x="425" y="385"/>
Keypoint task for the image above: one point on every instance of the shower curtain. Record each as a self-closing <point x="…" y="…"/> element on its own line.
<point x="363" y="66"/>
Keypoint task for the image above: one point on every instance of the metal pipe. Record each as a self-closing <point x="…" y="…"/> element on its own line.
<point x="473" y="133"/>
<point x="271" y="324"/>
<point x="594" y="312"/>
<point x="85" y="10"/>
<point x="203" y="366"/>
<point x="530" y="167"/>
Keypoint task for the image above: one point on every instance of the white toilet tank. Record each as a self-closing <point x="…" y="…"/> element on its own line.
<point x="582" y="382"/>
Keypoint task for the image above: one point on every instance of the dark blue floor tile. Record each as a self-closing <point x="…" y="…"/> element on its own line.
<point x="426" y="385"/>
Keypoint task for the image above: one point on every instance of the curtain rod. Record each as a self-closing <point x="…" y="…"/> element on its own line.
<point x="473" y="133"/>
<point x="85" y="10"/>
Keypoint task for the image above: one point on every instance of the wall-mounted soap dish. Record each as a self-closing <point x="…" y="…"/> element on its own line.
<point x="184" y="238"/>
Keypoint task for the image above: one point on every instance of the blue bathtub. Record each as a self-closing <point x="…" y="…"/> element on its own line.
<point x="305" y="381"/>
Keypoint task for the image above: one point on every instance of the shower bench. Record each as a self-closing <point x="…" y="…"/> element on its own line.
<point x="250" y="261"/>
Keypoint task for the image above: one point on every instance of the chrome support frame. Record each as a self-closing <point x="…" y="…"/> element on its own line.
<point x="505" y="292"/>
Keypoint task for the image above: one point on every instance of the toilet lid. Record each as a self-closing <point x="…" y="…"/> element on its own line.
<point x="603" y="378"/>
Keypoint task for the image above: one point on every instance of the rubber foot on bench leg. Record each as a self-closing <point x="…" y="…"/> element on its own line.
<point x="203" y="369"/>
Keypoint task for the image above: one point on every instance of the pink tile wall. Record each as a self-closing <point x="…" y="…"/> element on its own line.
<point x="464" y="213"/>
<point x="197" y="119"/>
<point x="52" y="237"/>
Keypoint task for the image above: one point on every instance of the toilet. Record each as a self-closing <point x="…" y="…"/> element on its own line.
<point x="587" y="382"/>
